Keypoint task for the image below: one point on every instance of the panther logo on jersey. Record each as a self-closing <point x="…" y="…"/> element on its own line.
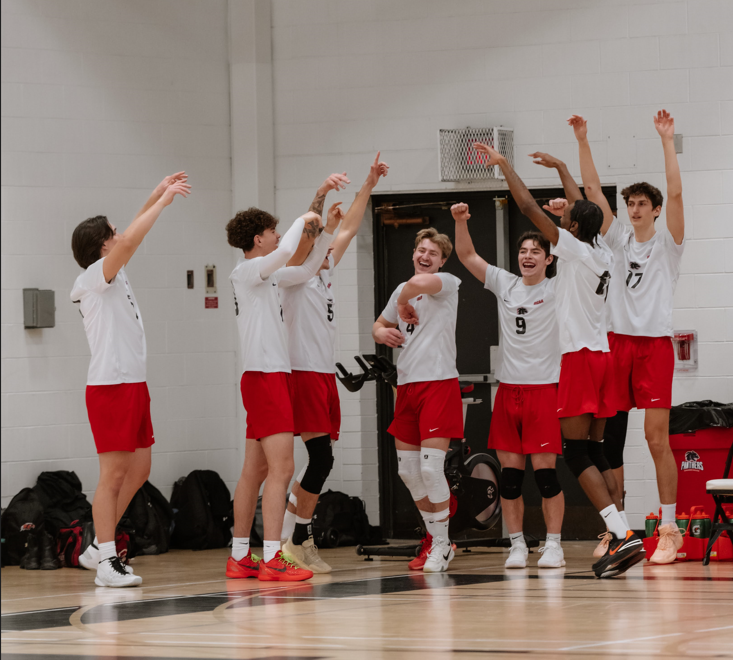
<point x="692" y="462"/>
<point x="634" y="266"/>
<point x="522" y="310"/>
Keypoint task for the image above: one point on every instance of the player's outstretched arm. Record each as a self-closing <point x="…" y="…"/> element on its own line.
<point x="178" y="177"/>
<point x="387" y="333"/>
<point x="130" y="240"/>
<point x="287" y="246"/>
<point x="588" y="172"/>
<point x="527" y="205"/>
<point x="572" y="192"/>
<point x="355" y="214"/>
<point x="664" y="123"/>
<point x="465" y="250"/>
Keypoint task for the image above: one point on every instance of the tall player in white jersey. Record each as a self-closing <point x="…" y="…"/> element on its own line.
<point x="310" y="316"/>
<point x="647" y="266"/>
<point x="266" y="387"/>
<point x="118" y="402"/>
<point x="524" y="421"/>
<point x="421" y="317"/>
<point x="584" y="265"/>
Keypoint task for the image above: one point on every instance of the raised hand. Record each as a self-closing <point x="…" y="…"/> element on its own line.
<point x="546" y="160"/>
<point x="334" y="182"/>
<point x="556" y="206"/>
<point x="178" y="177"/>
<point x="334" y="218"/>
<point x="407" y="313"/>
<point x="176" y="188"/>
<point x="664" y="123"/>
<point x="391" y="337"/>
<point x="460" y="212"/>
<point x="495" y="157"/>
<point x="580" y="127"/>
<point x="376" y="170"/>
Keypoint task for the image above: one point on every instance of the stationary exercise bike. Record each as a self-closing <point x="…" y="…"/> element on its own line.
<point x="473" y="479"/>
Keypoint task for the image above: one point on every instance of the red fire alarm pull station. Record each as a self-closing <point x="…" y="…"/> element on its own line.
<point x="685" y="350"/>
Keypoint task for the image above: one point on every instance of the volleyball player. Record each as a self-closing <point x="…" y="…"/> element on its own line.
<point x="524" y="421"/>
<point x="310" y="317"/>
<point x="266" y="386"/>
<point x="586" y="371"/>
<point x="420" y="317"/>
<point x="117" y="398"/>
<point x="647" y="266"/>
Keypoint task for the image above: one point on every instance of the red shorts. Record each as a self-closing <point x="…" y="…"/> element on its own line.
<point x="524" y="420"/>
<point x="267" y="398"/>
<point x="431" y="409"/>
<point x="316" y="406"/>
<point x="643" y="370"/>
<point x="586" y="384"/>
<point x="120" y="416"/>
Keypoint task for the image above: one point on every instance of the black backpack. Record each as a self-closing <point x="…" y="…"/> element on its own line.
<point x="62" y="500"/>
<point x="202" y="512"/>
<point x="342" y="520"/>
<point x="148" y="520"/>
<point x="23" y="516"/>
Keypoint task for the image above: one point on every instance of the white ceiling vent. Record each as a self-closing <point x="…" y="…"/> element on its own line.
<point x="460" y="162"/>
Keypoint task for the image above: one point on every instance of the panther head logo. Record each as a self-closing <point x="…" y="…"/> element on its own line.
<point x="692" y="456"/>
<point x="634" y="266"/>
<point x="521" y="310"/>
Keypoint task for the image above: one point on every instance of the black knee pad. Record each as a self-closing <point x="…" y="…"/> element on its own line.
<point x="320" y="462"/>
<point x="614" y="439"/>
<point x="595" y="451"/>
<point x="511" y="483"/>
<point x="547" y="482"/>
<point x="575" y="453"/>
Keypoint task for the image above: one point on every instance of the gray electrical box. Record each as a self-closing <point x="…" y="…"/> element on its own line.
<point x="39" y="308"/>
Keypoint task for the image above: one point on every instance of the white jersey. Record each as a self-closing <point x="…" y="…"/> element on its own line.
<point x="529" y="346"/>
<point x="310" y="317"/>
<point x="581" y="287"/>
<point x="113" y="325"/>
<point x="262" y="334"/>
<point x="643" y="283"/>
<point x="429" y="351"/>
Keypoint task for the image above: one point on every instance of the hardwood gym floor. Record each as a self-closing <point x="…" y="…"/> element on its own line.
<point x="372" y="610"/>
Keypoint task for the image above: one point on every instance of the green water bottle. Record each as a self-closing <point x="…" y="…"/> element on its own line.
<point x="650" y="526"/>
<point x="700" y="523"/>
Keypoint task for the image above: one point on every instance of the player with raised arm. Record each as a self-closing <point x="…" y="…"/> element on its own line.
<point x="524" y="421"/>
<point x="117" y="398"/>
<point x="647" y="266"/>
<point x="310" y="317"/>
<point x="420" y="317"/>
<point x="586" y="373"/>
<point x="266" y="386"/>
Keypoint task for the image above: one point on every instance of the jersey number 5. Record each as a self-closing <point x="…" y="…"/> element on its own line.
<point x="329" y="313"/>
<point x="521" y="325"/>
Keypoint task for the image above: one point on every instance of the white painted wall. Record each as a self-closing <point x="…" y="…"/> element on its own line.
<point x="100" y="100"/>
<point x="354" y="76"/>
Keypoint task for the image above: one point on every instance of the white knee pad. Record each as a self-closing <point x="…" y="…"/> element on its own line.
<point x="433" y="474"/>
<point x="408" y="467"/>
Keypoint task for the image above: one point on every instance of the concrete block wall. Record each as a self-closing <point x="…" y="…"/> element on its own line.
<point x="354" y="76"/>
<point x="100" y="100"/>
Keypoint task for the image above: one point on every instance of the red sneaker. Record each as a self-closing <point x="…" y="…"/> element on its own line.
<point x="419" y="561"/>
<point x="248" y="566"/>
<point x="281" y="569"/>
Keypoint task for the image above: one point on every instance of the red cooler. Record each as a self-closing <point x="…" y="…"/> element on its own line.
<point x="700" y="456"/>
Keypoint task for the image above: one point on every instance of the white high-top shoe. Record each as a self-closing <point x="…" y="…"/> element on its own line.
<point x="89" y="559"/>
<point x="111" y="573"/>
<point x="440" y="556"/>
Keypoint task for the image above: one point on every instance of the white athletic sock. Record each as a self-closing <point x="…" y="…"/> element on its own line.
<point x="240" y="547"/>
<point x="107" y="550"/>
<point x="669" y="513"/>
<point x="614" y="521"/>
<point x="553" y="537"/>
<point x="427" y="516"/>
<point x="624" y="518"/>
<point x="517" y="539"/>
<point x="435" y="526"/>
<point x="288" y="524"/>
<point x="270" y="550"/>
<point x="302" y="521"/>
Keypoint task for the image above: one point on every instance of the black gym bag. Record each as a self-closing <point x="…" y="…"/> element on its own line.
<point x="696" y="415"/>
<point x="62" y="500"/>
<point x="148" y="520"/>
<point x="23" y="516"/>
<point x="342" y="520"/>
<point x="202" y="512"/>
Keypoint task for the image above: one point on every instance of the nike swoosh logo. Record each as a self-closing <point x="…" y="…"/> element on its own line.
<point x="279" y="570"/>
<point x="559" y="409"/>
<point x="547" y="443"/>
<point x="435" y="429"/>
<point x="446" y="556"/>
<point x="657" y="399"/>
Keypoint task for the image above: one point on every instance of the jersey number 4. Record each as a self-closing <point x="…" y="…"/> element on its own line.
<point x="410" y="328"/>
<point x="636" y="283"/>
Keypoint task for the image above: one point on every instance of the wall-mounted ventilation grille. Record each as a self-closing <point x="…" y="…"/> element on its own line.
<point x="459" y="161"/>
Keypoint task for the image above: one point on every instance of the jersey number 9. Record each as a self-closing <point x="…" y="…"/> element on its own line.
<point x="521" y="325"/>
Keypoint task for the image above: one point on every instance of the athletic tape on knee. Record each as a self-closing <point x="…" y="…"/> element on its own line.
<point x="408" y="468"/>
<point x="432" y="463"/>
<point x="511" y="483"/>
<point x="575" y="453"/>
<point x="595" y="451"/>
<point x="546" y="480"/>
<point x="320" y="462"/>
<point x="293" y="499"/>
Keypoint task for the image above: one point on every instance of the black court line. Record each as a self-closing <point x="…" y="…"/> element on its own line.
<point x="171" y="606"/>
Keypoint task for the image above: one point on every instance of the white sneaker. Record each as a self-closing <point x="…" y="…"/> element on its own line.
<point x="440" y="556"/>
<point x="315" y="563"/>
<point x="517" y="556"/>
<point x="89" y="559"/>
<point x="552" y="555"/>
<point x="111" y="573"/>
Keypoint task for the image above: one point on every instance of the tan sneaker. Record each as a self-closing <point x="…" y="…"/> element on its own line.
<point x="670" y="541"/>
<point x="306" y="556"/>
<point x="603" y="545"/>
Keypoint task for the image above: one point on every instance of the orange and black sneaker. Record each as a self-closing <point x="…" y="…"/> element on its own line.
<point x="246" y="567"/>
<point x="281" y="569"/>
<point x="419" y="561"/>
<point x="620" y="556"/>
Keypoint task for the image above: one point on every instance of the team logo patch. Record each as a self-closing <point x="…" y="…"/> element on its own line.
<point x="692" y="462"/>
<point x="419" y="297"/>
<point x="26" y="527"/>
<point x="522" y="310"/>
<point x="634" y="266"/>
<point x="539" y="302"/>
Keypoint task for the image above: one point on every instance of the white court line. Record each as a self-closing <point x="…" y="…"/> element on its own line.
<point x="643" y="639"/>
